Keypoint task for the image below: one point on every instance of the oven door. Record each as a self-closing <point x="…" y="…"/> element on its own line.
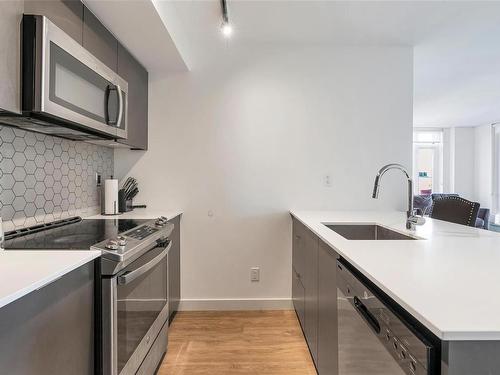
<point x="138" y="309"/>
<point x="73" y="85"/>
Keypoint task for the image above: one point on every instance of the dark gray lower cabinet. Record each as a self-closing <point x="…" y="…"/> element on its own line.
<point x="298" y="297"/>
<point x="314" y="295"/>
<point x="174" y="268"/>
<point x="298" y="251"/>
<point x="51" y="331"/>
<point x="311" y="292"/>
<point x="327" y="363"/>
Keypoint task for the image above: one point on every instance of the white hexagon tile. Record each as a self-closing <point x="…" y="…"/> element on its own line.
<point x="45" y="178"/>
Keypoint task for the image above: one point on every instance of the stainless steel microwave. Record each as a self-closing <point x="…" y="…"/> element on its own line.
<point x="66" y="91"/>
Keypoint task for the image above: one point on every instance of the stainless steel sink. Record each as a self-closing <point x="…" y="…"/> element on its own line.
<point x="367" y="232"/>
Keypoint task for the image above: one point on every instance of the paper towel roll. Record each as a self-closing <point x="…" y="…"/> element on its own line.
<point x="111" y="197"/>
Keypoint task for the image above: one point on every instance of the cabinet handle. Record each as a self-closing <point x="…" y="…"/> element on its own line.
<point x="297" y="237"/>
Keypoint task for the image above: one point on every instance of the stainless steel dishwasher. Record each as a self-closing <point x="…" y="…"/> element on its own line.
<point x="373" y="340"/>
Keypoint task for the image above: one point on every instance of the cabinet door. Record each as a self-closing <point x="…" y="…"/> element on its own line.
<point x="51" y="330"/>
<point x="298" y="295"/>
<point x="98" y="40"/>
<point x="298" y="251"/>
<point x="310" y="282"/>
<point x="66" y="14"/>
<point x="10" y="55"/>
<point x="137" y="114"/>
<point x="174" y="269"/>
<point x="327" y="311"/>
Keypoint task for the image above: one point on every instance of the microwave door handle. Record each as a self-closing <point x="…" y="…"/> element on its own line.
<point x="106" y="103"/>
<point x="130" y="276"/>
<point x="110" y="88"/>
<point x="120" y="105"/>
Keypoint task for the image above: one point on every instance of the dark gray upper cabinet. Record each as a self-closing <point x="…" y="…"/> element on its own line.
<point x="137" y="114"/>
<point x="98" y="40"/>
<point x="66" y="14"/>
<point x="327" y="311"/>
<point x="10" y="55"/>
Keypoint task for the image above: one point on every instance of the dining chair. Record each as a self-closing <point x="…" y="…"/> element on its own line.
<point x="455" y="210"/>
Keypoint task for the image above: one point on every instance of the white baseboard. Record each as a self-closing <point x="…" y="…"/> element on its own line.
<point x="236" y="304"/>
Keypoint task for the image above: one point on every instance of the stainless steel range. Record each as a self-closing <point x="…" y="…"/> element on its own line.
<point x="133" y="292"/>
<point x="135" y="298"/>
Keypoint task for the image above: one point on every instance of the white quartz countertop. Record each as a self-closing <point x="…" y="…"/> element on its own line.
<point x="141" y="213"/>
<point x="22" y="272"/>
<point x="449" y="281"/>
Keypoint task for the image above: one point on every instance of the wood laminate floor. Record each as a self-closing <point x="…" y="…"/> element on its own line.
<point x="236" y="342"/>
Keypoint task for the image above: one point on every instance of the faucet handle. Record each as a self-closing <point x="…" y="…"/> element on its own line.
<point x="413" y="221"/>
<point x="415" y="211"/>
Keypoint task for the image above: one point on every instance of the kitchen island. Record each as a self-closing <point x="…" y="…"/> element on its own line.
<point x="447" y="280"/>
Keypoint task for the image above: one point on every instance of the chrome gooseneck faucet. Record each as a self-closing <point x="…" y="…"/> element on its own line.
<point x="411" y="218"/>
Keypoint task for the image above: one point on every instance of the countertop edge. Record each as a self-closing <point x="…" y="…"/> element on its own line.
<point x="44" y="281"/>
<point x="140" y="213"/>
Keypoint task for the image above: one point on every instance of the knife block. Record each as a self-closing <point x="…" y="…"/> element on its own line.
<point x="124" y="205"/>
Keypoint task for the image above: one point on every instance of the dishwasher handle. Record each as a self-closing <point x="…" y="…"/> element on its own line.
<point x="367" y="315"/>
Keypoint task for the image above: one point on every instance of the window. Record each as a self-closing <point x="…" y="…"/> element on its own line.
<point x="428" y="161"/>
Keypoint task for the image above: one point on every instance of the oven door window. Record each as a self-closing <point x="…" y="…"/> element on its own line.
<point x="76" y="87"/>
<point x="141" y="298"/>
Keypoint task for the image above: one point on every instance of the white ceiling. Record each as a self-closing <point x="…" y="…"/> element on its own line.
<point x="457" y="53"/>
<point x="457" y="71"/>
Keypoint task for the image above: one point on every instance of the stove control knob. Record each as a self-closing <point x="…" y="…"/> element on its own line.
<point x="112" y="245"/>
<point x="122" y="241"/>
<point x="160" y="222"/>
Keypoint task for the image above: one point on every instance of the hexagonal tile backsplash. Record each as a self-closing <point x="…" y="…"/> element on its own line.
<point x="44" y="178"/>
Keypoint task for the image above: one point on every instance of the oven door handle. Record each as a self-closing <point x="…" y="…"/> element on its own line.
<point x="128" y="277"/>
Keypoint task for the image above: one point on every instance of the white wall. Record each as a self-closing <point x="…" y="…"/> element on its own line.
<point x="468" y="158"/>
<point x="448" y="157"/>
<point x="483" y="166"/>
<point x="463" y="162"/>
<point x="251" y="135"/>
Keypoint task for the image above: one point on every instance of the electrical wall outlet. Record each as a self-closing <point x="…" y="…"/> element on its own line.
<point x="255" y="274"/>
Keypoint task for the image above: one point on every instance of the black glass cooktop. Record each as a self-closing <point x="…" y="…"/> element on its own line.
<point x="74" y="234"/>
